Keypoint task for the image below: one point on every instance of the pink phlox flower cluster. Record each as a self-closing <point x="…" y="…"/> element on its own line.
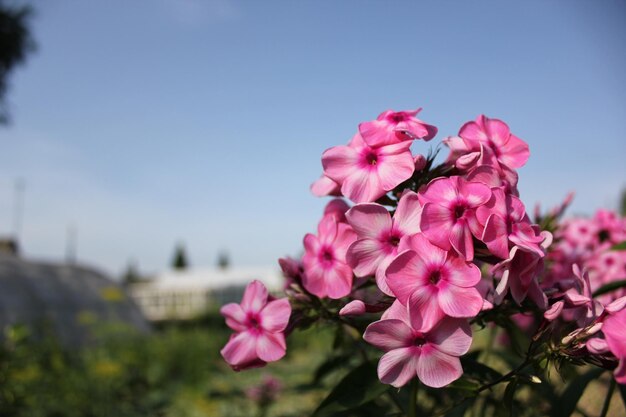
<point x="432" y="355"/>
<point x="259" y="324"/>
<point x="588" y="242"/>
<point x="601" y="328"/>
<point x="442" y="244"/>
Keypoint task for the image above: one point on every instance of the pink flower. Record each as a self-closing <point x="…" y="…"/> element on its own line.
<point x="324" y="186"/>
<point x="393" y="127"/>
<point x="434" y="283"/>
<point x="520" y="272"/>
<point x="432" y="355"/>
<point x="367" y="173"/>
<point x="577" y="303"/>
<point x="266" y="391"/>
<point x="353" y="308"/>
<point x="610" y="226"/>
<point x="259" y="327"/>
<point x="614" y="329"/>
<point x="505" y="148"/>
<point x="292" y="270"/>
<point x="326" y="272"/>
<point x="380" y="236"/>
<point x="449" y="214"/>
<point x="504" y="218"/>
<point x="488" y="142"/>
<point x="337" y="207"/>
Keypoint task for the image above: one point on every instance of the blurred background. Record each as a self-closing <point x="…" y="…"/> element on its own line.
<point x="157" y="155"/>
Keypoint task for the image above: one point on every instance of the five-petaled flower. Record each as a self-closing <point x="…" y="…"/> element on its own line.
<point x="259" y="325"/>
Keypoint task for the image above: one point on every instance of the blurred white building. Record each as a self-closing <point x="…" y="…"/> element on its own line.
<point x="184" y="294"/>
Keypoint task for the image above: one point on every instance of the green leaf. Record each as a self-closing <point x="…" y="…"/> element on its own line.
<point x="463" y="384"/>
<point x="611" y="286"/>
<point x="328" y="366"/>
<point x="360" y="386"/>
<point x="509" y="395"/>
<point x="519" y="340"/>
<point x="478" y="370"/>
<point x="619" y="246"/>
<point x="566" y="403"/>
<point x="459" y="410"/>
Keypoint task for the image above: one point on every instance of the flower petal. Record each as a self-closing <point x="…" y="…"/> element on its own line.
<point x="324" y="186"/>
<point x="362" y="187"/>
<point x="235" y="316"/>
<point x="339" y="162"/>
<point x="395" y="169"/>
<point x="405" y="274"/>
<point x="459" y="302"/>
<point x="435" y="223"/>
<point x="461" y="240"/>
<point x="451" y="336"/>
<point x="424" y="309"/>
<point x="437" y="369"/>
<point x="270" y="347"/>
<point x="439" y="191"/>
<point x="254" y="297"/>
<point x="408" y="214"/>
<point x="388" y="334"/>
<point x="240" y="349"/>
<point x="275" y="315"/>
<point x="495" y="236"/>
<point x="369" y="219"/>
<point x="461" y="273"/>
<point x="353" y="308"/>
<point x="397" y="367"/>
<point x="376" y="133"/>
<point x="338" y="281"/>
<point x="365" y="256"/>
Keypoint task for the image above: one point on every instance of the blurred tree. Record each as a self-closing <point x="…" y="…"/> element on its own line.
<point x="15" y="43"/>
<point x="180" y="258"/>
<point x="132" y="274"/>
<point x="622" y="203"/>
<point x="223" y="260"/>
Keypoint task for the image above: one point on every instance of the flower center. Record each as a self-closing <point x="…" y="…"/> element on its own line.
<point x="434" y="277"/>
<point x="419" y="340"/>
<point x="603" y="235"/>
<point x="371" y="158"/>
<point x="327" y="256"/>
<point x="397" y="117"/>
<point x="394" y="240"/>
<point x="459" y="211"/>
<point x="254" y="322"/>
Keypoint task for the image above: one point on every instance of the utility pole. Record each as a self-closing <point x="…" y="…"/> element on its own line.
<point x="18" y="207"/>
<point x="71" y="245"/>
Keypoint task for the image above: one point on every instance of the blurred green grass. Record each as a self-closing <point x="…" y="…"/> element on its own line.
<point x="175" y="371"/>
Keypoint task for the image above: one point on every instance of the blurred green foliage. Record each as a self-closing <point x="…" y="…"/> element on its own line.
<point x="174" y="371"/>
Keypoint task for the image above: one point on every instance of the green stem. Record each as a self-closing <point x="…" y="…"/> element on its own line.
<point x="413" y="398"/>
<point x="609" y="395"/>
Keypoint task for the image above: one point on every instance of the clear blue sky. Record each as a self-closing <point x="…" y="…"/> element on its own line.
<point x="146" y="123"/>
